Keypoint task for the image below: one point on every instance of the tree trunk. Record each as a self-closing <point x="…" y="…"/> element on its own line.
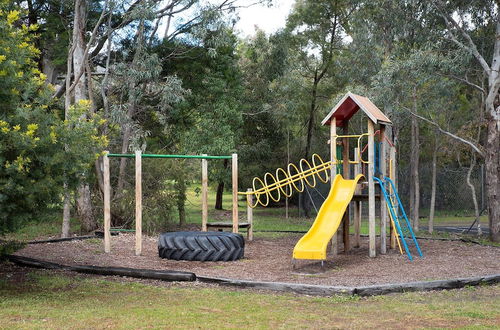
<point x="415" y="154"/>
<point x="433" y="184"/>
<point x="84" y="201"/>
<point x="123" y="161"/>
<point x="312" y="110"/>
<point x="220" y="190"/>
<point x="80" y="89"/>
<point x="492" y="110"/>
<point x="472" y="188"/>
<point x="66" y="213"/>
<point x="218" y="195"/>
<point x="131" y="111"/>
<point x="492" y="163"/>
<point x="85" y="210"/>
<point x="181" y="198"/>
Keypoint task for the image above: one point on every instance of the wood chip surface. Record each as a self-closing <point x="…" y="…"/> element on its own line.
<point x="271" y="260"/>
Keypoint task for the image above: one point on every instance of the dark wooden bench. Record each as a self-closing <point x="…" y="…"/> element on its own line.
<point x="220" y="226"/>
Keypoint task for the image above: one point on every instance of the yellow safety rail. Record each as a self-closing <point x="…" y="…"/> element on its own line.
<point x="359" y="137"/>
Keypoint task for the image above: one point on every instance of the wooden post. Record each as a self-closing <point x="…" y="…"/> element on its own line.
<point x="357" y="204"/>
<point x="138" y="203"/>
<point x="249" y="215"/>
<point x="333" y="171"/>
<point x="383" y="204"/>
<point x="392" y="176"/>
<point x="204" y="193"/>
<point x="107" y="203"/>
<point x="346" y="174"/>
<point x="234" y="168"/>
<point x="371" y="189"/>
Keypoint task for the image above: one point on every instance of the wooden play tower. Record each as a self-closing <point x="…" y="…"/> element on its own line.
<point x="339" y="117"/>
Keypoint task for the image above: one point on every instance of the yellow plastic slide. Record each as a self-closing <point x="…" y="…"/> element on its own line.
<point x="313" y="244"/>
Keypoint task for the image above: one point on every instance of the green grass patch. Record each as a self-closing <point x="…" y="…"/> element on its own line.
<point x="49" y="226"/>
<point x="46" y="300"/>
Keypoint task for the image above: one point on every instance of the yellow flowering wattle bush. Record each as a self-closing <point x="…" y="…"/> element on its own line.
<point x="39" y="150"/>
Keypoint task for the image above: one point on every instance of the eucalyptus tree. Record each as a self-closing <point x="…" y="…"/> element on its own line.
<point x="266" y="103"/>
<point x="93" y="24"/>
<point x="317" y="32"/>
<point x="390" y="33"/>
<point x="211" y="114"/>
<point x="474" y="26"/>
<point x="34" y="163"/>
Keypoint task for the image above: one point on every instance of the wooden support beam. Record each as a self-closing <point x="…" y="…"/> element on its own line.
<point x="392" y="176"/>
<point x="371" y="189"/>
<point x="346" y="175"/>
<point x="204" y="193"/>
<point x="107" y="203"/>
<point x="138" y="203"/>
<point x="357" y="204"/>
<point x="250" y="215"/>
<point x="383" y="205"/>
<point x="234" y="170"/>
<point x="333" y="172"/>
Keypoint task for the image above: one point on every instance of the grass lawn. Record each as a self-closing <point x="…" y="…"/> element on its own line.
<point x="44" y="299"/>
<point x="48" y="299"/>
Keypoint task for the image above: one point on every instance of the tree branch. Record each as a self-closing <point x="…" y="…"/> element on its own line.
<point x="458" y="138"/>
<point x="438" y="4"/>
<point x="464" y="80"/>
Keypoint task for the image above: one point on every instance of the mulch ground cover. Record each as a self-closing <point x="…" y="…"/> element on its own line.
<point x="271" y="260"/>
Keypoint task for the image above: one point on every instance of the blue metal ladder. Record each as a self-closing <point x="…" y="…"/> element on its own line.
<point x="401" y="221"/>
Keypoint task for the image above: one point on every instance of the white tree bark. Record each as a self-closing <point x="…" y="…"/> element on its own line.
<point x="80" y="90"/>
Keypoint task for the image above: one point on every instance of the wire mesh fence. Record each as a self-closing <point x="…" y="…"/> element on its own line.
<point x="453" y="194"/>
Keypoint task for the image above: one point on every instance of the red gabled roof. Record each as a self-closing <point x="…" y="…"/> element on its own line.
<point x="349" y="105"/>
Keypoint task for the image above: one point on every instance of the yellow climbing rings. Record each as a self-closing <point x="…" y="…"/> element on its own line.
<point x="285" y="181"/>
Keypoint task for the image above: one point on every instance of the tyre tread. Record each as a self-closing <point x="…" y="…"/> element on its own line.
<point x="201" y="246"/>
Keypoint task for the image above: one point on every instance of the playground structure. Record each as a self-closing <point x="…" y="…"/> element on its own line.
<point x="138" y="155"/>
<point x="334" y="213"/>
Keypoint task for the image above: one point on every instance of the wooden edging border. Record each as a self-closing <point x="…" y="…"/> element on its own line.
<point x="372" y="290"/>
<point x="164" y="275"/>
<point x="66" y="239"/>
<point x="309" y="289"/>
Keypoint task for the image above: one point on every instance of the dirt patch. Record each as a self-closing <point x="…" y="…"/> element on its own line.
<point x="270" y="260"/>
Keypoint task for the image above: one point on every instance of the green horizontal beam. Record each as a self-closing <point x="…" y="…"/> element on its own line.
<point x="169" y="156"/>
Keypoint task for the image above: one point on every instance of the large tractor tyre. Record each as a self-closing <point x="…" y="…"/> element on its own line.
<point x="201" y="246"/>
